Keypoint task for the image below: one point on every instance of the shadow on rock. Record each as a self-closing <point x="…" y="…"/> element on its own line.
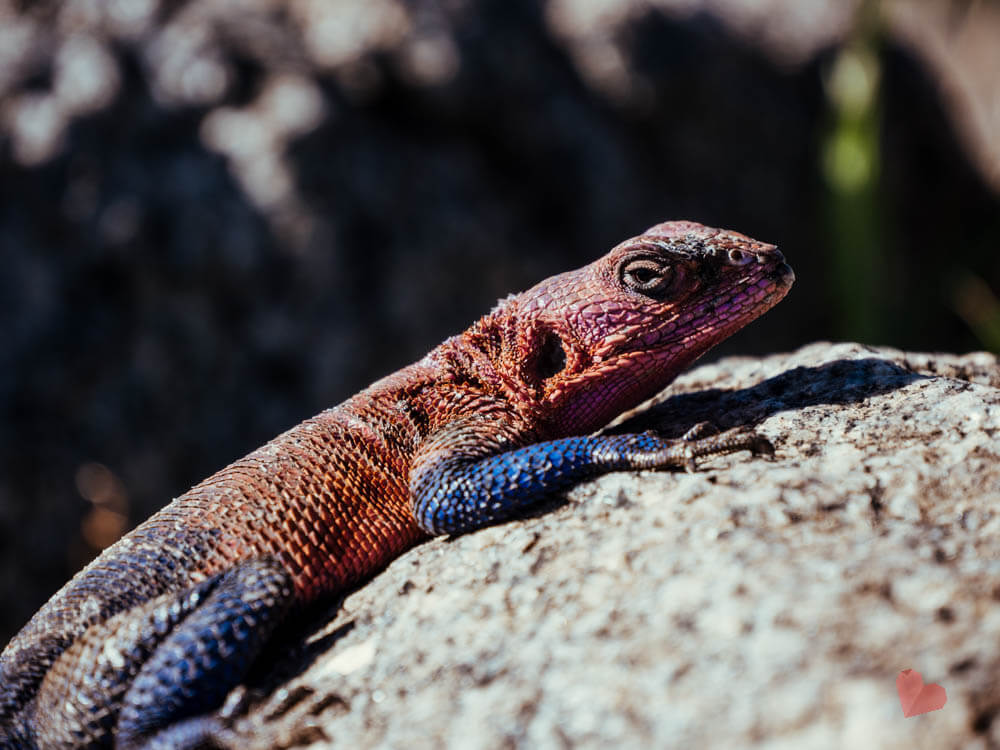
<point x="844" y="381"/>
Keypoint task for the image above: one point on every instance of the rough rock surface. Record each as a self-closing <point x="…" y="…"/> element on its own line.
<point x="764" y="603"/>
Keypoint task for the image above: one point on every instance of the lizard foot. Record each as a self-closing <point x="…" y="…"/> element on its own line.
<point x="649" y="450"/>
<point x="730" y="441"/>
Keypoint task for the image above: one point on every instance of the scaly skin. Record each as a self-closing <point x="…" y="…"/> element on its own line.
<point x="166" y="621"/>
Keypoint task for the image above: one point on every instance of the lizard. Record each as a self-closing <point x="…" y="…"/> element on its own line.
<point x="142" y="644"/>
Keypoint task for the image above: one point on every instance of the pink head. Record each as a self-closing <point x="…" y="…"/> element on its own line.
<point x="586" y="345"/>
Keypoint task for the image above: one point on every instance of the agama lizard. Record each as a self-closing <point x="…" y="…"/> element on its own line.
<point x="164" y="623"/>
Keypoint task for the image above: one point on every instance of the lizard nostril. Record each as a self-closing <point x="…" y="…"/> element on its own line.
<point x="739" y="257"/>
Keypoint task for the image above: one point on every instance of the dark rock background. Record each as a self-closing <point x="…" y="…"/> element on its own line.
<point x="218" y="218"/>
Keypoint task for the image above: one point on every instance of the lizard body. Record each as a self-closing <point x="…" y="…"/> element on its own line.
<point x="165" y="622"/>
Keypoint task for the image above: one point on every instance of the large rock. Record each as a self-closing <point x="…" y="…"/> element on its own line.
<point x="755" y="602"/>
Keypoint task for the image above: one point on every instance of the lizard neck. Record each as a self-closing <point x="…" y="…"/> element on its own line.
<point x="479" y="359"/>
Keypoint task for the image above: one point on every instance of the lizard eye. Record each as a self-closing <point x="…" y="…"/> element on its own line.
<point x="648" y="276"/>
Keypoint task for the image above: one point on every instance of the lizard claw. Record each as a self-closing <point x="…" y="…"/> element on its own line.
<point x="236" y="703"/>
<point x="700" y="431"/>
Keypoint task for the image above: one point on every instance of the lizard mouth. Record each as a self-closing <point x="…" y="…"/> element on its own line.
<point x="782" y="274"/>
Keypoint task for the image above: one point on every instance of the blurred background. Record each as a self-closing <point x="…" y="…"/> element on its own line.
<point x="218" y="217"/>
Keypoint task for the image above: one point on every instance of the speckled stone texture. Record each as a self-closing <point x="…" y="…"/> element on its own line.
<point x="755" y="603"/>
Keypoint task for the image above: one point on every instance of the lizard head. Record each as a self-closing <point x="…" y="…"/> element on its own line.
<point x="584" y="346"/>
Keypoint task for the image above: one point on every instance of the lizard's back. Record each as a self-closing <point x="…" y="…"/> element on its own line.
<point x="328" y="500"/>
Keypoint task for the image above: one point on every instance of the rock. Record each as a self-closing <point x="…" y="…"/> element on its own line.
<point x="755" y="602"/>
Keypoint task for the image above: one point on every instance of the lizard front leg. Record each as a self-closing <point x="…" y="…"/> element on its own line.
<point x="462" y="478"/>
